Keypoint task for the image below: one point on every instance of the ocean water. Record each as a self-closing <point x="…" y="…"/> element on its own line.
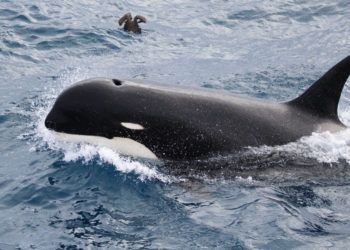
<point x="57" y="195"/>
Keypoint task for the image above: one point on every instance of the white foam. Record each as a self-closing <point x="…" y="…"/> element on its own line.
<point x="326" y="147"/>
<point x="89" y="152"/>
<point x="247" y="180"/>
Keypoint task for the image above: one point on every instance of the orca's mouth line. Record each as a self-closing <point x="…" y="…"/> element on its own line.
<point x="50" y="124"/>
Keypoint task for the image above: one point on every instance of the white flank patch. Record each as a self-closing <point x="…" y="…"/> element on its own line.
<point x="124" y="146"/>
<point x="130" y="125"/>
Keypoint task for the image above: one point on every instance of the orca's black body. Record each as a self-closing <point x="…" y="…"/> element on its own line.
<point x="191" y="124"/>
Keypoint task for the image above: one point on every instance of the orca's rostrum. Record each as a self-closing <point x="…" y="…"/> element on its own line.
<point x="151" y="120"/>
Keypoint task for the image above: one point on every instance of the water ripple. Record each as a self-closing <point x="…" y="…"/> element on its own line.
<point x="80" y="197"/>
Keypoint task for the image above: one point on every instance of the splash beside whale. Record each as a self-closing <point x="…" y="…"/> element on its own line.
<point x="159" y="121"/>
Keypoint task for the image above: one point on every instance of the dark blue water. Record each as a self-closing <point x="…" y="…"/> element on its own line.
<point x="57" y="195"/>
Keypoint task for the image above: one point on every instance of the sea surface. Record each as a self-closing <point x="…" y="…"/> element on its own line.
<point x="60" y="195"/>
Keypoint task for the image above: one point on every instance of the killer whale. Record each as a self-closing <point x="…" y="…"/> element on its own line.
<point x="183" y="124"/>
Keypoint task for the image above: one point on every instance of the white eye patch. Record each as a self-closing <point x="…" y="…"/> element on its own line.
<point x="133" y="126"/>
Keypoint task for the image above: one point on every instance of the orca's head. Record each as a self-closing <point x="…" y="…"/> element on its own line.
<point x="100" y="107"/>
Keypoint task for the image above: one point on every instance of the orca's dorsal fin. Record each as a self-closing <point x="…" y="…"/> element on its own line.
<point x="323" y="96"/>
